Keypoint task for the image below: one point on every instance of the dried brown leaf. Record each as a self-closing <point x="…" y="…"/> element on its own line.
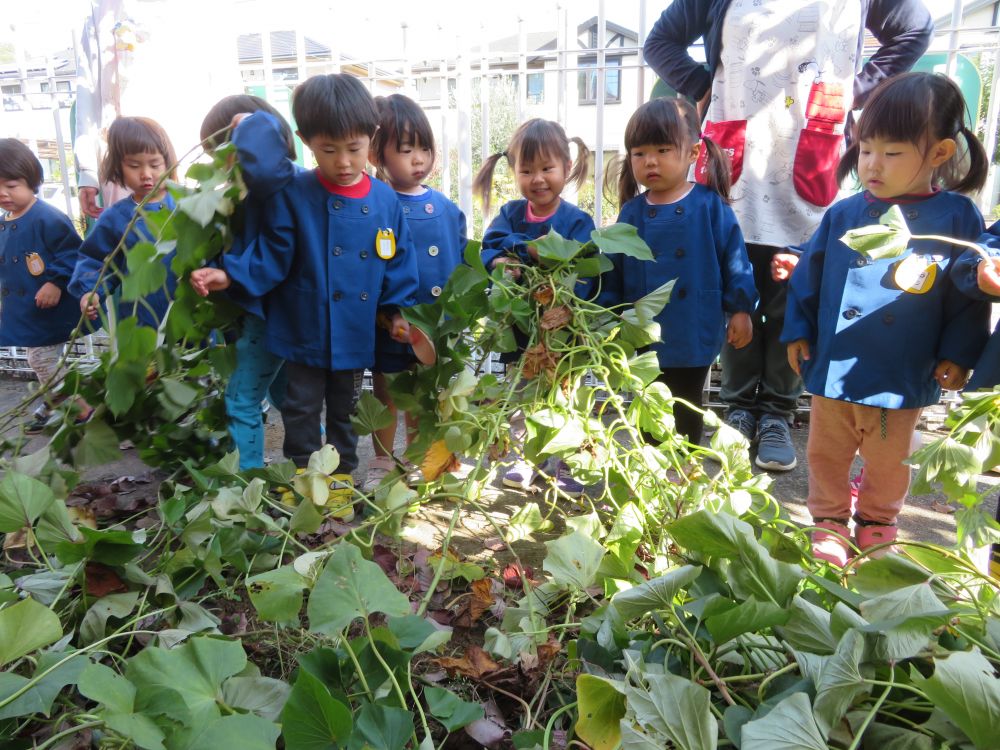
<point x="475" y="664"/>
<point x="556" y="318"/>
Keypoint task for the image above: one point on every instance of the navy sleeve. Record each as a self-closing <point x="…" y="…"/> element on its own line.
<point x="103" y="240"/>
<point x="965" y="271"/>
<point x="62" y="240"/>
<point x="739" y="293"/>
<point x="266" y="261"/>
<point x="612" y="290"/>
<point x="501" y="239"/>
<point x="966" y="320"/>
<point x="801" y="311"/>
<point x="263" y="154"/>
<point x="903" y="29"/>
<point x="666" y="47"/>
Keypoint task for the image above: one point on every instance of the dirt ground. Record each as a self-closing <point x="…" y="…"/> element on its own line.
<point x="479" y="529"/>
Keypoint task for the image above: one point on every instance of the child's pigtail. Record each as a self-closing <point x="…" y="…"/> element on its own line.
<point x="848" y="165"/>
<point x="619" y="182"/>
<point x="582" y="165"/>
<point x="717" y="167"/>
<point x="482" y="184"/>
<point x="978" y="164"/>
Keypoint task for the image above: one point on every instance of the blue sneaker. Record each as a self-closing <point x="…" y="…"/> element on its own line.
<point x="743" y="422"/>
<point x="565" y="483"/>
<point x="775" y="451"/>
<point x="519" y="476"/>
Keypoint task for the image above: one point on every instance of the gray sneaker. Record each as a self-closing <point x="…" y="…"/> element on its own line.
<point x="775" y="451"/>
<point x="744" y="422"/>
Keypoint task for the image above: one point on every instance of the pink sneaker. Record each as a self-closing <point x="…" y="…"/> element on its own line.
<point x="829" y="543"/>
<point x="872" y="535"/>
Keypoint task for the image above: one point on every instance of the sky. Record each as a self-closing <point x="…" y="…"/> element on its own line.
<point x="361" y="28"/>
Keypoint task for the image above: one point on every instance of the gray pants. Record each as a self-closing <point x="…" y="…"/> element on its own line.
<point x="308" y="389"/>
<point x="757" y="377"/>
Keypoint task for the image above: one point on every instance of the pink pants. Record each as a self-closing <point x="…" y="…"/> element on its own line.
<point x="838" y="430"/>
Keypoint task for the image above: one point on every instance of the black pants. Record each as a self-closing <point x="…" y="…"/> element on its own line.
<point x="687" y="383"/>
<point x="758" y="377"/>
<point x="308" y="388"/>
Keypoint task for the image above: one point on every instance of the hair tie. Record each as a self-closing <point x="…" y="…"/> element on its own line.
<point x="504" y="154"/>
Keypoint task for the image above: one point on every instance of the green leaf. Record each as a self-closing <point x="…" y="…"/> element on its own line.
<point x="656" y="594"/>
<point x="887" y="239"/>
<point x="601" y="704"/>
<point x="371" y="415"/>
<point x="415" y="634"/>
<point x="554" y="247"/>
<point x="841" y="682"/>
<point x="146" y="272"/>
<point x="117" y="698"/>
<point x="886" y="737"/>
<point x="196" y="669"/>
<point x="732" y="722"/>
<point x="379" y="726"/>
<point x="645" y="367"/>
<point x="645" y="309"/>
<point x="623" y="239"/>
<point x="243" y="731"/>
<point x="573" y="560"/>
<point x="752" y="615"/>
<point x="25" y="627"/>
<point x="313" y="719"/>
<point x="964" y="686"/>
<point x="204" y="203"/>
<point x="450" y="710"/>
<point x="109" y="546"/>
<point x="350" y="587"/>
<point x="95" y="622"/>
<point x="676" y="708"/>
<point x="306" y="519"/>
<point x="22" y="500"/>
<point x="99" y="445"/>
<point x="906" y="618"/>
<point x="525" y="522"/>
<point x="43" y="687"/>
<point x="713" y="535"/>
<point x="277" y="594"/>
<point x="789" y="726"/>
<point x="633" y="740"/>
<point x="263" y="696"/>
<point x="808" y="627"/>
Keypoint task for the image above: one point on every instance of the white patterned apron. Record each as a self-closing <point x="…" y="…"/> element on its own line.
<point x="779" y="102"/>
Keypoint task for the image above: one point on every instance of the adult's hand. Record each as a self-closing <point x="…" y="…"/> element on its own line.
<point x="88" y="202"/>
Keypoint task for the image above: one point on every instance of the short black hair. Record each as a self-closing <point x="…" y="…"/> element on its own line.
<point x="18" y="163"/>
<point x="336" y="105"/>
<point x="224" y="110"/>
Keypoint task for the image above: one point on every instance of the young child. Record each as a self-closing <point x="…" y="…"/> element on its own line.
<point x="38" y="247"/>
<point x="333" y="251"/>
<point x="876" y="340"/>
<point x="139" y="155"/>
<point x="265" y="149"/>
<point x="403" y="153"/>
<point x="539" y="154"/>
<point x="695" y="239"/>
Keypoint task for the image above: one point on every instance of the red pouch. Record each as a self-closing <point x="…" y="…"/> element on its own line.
<point x="814" y="171"/>
<point x="731" y="137"/>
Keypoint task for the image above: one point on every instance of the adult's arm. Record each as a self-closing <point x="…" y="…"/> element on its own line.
<point x="666" y="47"/>
<point x="903" y="28"/>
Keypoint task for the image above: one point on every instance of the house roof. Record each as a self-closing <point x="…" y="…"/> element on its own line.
<point x="609" y="26"/>
<point x="250" y="47"/>
<point x="970" y="6"/>
<point x="63" y="64"/>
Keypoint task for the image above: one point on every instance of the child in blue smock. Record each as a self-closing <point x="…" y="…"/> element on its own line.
<point x="695" y="239"/>
<point x="139" y="155"/>
<point x="539" y="154"/>
<point x="333" y="251"/>
<point x="38" y="247"/>
<point x="981" y="280"/>
<point x="403" y="153"/>
<point x="876" y="340"/>
<point x="265" y="149"/>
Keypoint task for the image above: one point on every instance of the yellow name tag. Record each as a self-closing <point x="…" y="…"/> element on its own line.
<point x="35" y="264"/>
<point x="915" y="274"/>
<point x="385" y="244"/>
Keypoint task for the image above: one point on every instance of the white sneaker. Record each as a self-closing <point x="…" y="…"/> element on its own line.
<point x="378" y="469"/>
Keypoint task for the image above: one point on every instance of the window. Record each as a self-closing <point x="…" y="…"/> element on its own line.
<point x="12" y="88"/>
<point x="44" y="87"/>
<point x="612" y="80"/>
<point x="64" y="86"/>
<point x="428" y="88"/>
<point x="285" y="74"/>
<point x="536" y="88"/>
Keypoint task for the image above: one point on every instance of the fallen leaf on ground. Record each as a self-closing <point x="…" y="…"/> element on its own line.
<point x="102" y="580"/>
<point x="942" y="507"/>
<point x="475" y="603"/>
<point x="475" y="663"/>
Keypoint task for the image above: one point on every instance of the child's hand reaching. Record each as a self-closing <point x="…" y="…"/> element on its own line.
<point x="399" y="329"/>
<point x="90" y="305"/>
<point x="513" y="271"/>
<point x="205" y="280"/>
<point x="782" y="265"/>
<point x="950" y="377"/>
<point x="48" y="296"/>
<point x="988" y="276"/>
<point x="740" y="330"/>
<point x="798" y="352"/>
